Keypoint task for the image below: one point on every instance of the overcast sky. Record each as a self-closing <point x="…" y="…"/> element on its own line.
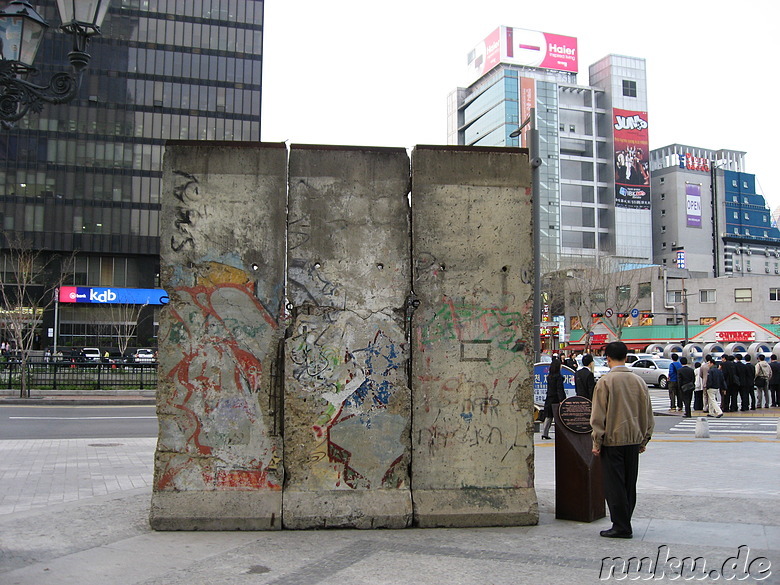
<point x="374" y="73"/>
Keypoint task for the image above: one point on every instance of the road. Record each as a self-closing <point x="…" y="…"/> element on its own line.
<point x="77" y="422"/>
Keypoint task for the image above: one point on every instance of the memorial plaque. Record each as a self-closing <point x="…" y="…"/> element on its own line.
<point x="574" y="413"/>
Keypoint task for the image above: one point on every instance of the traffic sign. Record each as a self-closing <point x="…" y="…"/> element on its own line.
<point x="635" y="313"/>
<point x="608" y="313"/>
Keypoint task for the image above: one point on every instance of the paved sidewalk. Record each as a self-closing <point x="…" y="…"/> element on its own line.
<point x="76" y="511"/>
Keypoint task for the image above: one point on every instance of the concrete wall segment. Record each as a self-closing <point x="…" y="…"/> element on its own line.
<point x="346" y="395"/>
<point x="472" y="437"/>
<point x="222" y="262"/>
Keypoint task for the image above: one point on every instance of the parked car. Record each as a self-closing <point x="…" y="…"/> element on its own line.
<point x="90" y="354"/>
<point x="144" y="356"/>
<point x="654" y="371"/>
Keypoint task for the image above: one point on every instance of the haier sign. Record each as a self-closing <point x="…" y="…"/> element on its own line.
<point x="123" y="296"/>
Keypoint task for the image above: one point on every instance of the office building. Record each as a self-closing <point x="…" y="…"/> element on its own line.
<point x="707" y="216"/>
<point x="593" y="140"/>
<point x="85" y="177"/>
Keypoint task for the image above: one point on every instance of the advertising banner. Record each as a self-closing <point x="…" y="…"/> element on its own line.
<point x="123" y="296"/>
<point x="632" y="162"/>
<point x="529" y="48"/>
<point x="527" y="101"/>
<point x="693" y="204"/>
<point x="541" y="369"/>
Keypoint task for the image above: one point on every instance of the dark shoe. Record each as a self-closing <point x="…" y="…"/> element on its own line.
<point x="612" y="533"/>
<point x="720" y="415"/>
<point x="545" y="437"/>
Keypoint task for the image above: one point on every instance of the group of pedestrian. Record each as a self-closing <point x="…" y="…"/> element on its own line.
<point x="729" y="384"/>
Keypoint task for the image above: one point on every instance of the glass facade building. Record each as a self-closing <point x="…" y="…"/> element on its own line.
<point x="85" y="177"/>
<point x="706" y="205"/>
<point x="580" y="221"/>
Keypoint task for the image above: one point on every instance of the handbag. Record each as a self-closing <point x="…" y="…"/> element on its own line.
<point x="688" y="387"/>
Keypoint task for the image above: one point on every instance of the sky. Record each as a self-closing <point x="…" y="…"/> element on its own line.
<point x="368" y="73"/>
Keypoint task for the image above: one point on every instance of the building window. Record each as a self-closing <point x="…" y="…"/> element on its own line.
<point x="663" y="196"/>
<point x="734" y="184"/>
<point x="572" y="128"/>
<point x="743" y="295"/>
<point x="623" y="292"/>
<point x="645" y="288"/>
<point x="629" y="88"/>
<point x="662" y="180"/>
<point x="663" y="229"/>
<point x="736" y="215"/>
<point x="774" y="294"/>
<point x="663" y="212"/>
<point x="598" y="296"/>
<point x="674" y="296"/>
<point x="707" y="296"/>
<point x="745" y="186"/>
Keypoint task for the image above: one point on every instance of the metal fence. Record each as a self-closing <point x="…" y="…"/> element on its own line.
<point x="79" y="375"/>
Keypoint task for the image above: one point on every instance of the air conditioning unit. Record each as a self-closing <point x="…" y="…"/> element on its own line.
<point x="749" y="252"/>
<point x="737" y="267"/>
<point x="749" y="269"/>
<point x="738" y="251"/>
<point x="766" y="268"/>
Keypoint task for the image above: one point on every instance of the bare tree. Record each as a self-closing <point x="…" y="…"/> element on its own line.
<point x="124" y="323"/>
<point x="603" y="293"/>
<point x="29" y="282"/>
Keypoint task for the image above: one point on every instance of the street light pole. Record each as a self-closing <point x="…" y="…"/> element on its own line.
<point x="536" y="162"/>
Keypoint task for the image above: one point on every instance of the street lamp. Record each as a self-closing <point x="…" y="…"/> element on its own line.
<point x="21" y="32"/>
<point x="536" y="162"/>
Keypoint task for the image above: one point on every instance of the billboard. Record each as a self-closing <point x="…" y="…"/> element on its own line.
<point x="693" y="204"/>
<point x="103" y="295"/>
<point x="527" y="103"/>
<point x="632" y="162"/>
<point x="528" y="48"/>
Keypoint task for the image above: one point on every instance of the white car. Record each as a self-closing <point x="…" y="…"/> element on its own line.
<point x="600" y="366"/>
<point x="144" y="356"/>
<point x="654" y="371"/>
<point x="90" y="354"/>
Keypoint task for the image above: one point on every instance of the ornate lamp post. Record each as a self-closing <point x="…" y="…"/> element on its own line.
<point x="21" y="32"/>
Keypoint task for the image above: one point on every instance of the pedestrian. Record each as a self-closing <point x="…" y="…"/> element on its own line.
<point x="763" y="376"/>
<point x="686" y="378"/>
<point x="569" y="362"/>
<point x="728" y="401"/>
<point x="774" y="381"/>
<point x="746" y="375"/>
<point x="703" y="371"/>
<point x="749" y="387"/>
<point x="555" y="394"/>
<point x="584" y="379"/>
<point x="622" y="422"/>
<point x="698" y="389"/>
<point x="714" y="383"/>
<point x="675" y="398"/>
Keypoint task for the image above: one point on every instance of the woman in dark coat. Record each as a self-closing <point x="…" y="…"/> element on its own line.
<point x="555" y="393"/>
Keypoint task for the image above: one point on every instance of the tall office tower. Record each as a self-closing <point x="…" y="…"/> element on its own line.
<point x="86" y="176"/>
<point x="593" y="140"/>
<point x="707" y="214"/>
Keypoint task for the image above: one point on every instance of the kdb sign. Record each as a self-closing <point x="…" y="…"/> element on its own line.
<point x="123" y="296"/>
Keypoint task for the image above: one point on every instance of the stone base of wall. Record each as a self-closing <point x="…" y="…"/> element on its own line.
<point x="216" y="510"/>
<point x="466" y="508"/>
<point x="347" y="509"/>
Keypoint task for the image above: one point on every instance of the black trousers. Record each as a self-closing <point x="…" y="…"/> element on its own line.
<point x="686" y="400"/>
<point x="745" y="396"/>
<point x="620" y="467"/>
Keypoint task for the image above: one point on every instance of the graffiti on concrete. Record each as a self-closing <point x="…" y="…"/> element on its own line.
<point x="356" y="370"/>
<point x="211" y="419"/>
<point x="471" y="408"/>
<point x="186" y="214"/>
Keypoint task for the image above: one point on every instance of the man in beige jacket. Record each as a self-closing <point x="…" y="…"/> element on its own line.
<point x="622" y="421"/>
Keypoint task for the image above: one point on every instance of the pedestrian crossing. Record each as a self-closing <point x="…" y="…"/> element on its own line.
<point x="729" y="426"/>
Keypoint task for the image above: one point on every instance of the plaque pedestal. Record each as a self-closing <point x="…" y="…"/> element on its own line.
<point x="579" y="487"/>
